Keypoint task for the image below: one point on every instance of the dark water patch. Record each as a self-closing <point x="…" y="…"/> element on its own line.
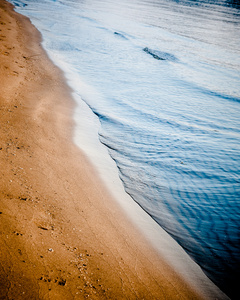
<point x="206" y="3"/>
<point x="19" y="3"/>
<point x="159" y="55"/>
<point x="120" y="35"/>
<point x="233" y="3"/>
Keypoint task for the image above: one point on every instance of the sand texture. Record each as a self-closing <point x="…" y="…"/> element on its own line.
<point x="61" y="234"/>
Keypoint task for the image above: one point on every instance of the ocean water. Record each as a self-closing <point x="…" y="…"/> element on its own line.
<point x="163" y="77"/>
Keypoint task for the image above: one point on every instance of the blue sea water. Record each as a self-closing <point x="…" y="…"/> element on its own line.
<point x="166" y="76"/>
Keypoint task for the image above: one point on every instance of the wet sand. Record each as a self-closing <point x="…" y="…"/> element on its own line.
<point x="62" y="236"/>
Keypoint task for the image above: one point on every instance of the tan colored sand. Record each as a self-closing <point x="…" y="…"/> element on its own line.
<point x="61" y="234"/>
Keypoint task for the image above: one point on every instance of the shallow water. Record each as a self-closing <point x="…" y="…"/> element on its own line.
<point x="163" y="77"/>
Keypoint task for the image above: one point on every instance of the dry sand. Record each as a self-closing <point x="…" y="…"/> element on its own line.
<point x="61" y="234"/>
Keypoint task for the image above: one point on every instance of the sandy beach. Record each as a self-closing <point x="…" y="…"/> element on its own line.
<point x="62" y="236"/>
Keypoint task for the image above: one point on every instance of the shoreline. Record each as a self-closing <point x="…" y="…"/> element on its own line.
<point x="62" y="234"/>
